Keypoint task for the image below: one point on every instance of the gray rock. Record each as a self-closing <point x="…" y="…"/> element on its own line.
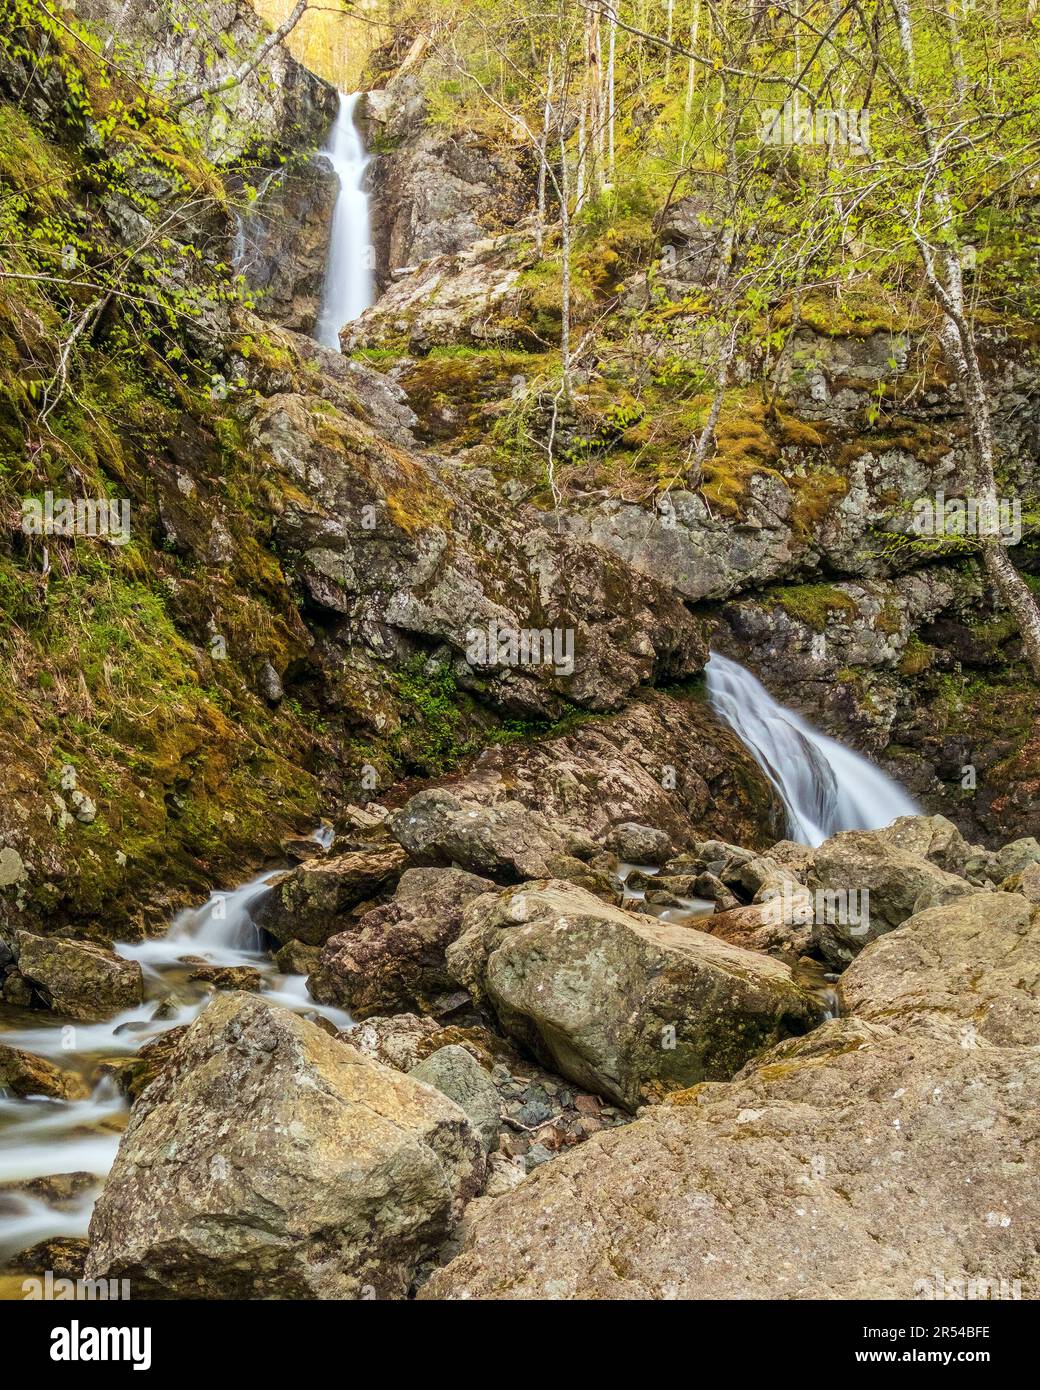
<point x="462" y="1079"/>
<point x="967" y="971"/>
<point x="504" y="840"/>
<point x="1017" y="856"/>
<point x="639" y="844"/>
<point x="268" y="1160"/>
<point x="270" y="684"/>
<point x="619" y="1003"/>
<point x="890" y="865"/>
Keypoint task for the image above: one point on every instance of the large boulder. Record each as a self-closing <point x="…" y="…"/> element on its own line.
<point x="504" y="840"/>
<point x="967" y="970"/>
<point x="850" y="1164"/>
<point x="392" y="958"/>
<point x="897" y="867"/>
<point x="618" y="1003"/>
<point x="311" y="902"/>
<point x="269" y="1160"/>
<point x="79" y="979"/>
<point x="663" y="762"/>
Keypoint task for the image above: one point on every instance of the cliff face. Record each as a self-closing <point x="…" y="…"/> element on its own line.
<point x="286" y="628"/>
<point x="799" y="546"/>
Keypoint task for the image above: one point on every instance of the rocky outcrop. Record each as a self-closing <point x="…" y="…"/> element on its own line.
<point x="267" y="1160"/>
<point x="282" y="247"/>
<point x="664" y="761"/>
<point x="79" y="979"/>
<point x="894" y="867"/>
<point x="310" y="902"/>
<point x="618" y="1003"/>
<point x="966" y="972"/>
<point x="386" y="542"/>
<point x="280" y="105"/>
<point x="434" y="192"/>
<point x="393" y="956"/>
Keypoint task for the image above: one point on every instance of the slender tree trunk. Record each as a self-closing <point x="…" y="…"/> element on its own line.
<point x="565" y="272"/>
<point x="543" y="158"/>
<point x="942" y="266"/>
<point x="611" y="47"/>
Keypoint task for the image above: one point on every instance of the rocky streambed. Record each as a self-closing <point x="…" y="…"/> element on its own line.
<point x="409" y="1065"/>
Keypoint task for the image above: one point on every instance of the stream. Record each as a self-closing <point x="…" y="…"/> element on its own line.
<point x="54" y="1154"/>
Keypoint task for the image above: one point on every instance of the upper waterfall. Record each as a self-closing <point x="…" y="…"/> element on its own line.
<point x="348" y="289"/>
<point x="824" y="786"/>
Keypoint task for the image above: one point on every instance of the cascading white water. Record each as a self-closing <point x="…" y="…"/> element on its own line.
<point x="348" y="275"/>
<point x="40" y="1137"/>
<point x="824" y="786"/>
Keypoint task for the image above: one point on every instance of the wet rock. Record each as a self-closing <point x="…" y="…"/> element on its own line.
<point x="639" y="844"/>
<point x="77" y="978"/>
<point x="269" y="1160"/>
<point x="23" y="1074"/>
<point x="457" y="1073"/>
<point x="296" y="958"/>
<point x="393" y="957"/>
<point x="242" y="977"/>
<point x="310" y="903"/>
<point x="620" y="1003"/>
<point x="63" y="1256"/>
<point x="283" y="247"/>
<point x="966" y="971"/>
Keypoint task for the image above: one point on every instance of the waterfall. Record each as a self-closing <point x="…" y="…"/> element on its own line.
<point x="348" y="276"/>
<point x="824" y="786"/>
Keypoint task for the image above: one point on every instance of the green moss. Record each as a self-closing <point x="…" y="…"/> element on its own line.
<point x="811" y="604"/>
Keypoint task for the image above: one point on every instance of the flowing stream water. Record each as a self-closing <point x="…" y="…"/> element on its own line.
<point x="349" y="283"/>
<point x="54" y="1154"/>
<point x="41" y="1138"/>
<point x="824" y="786"/>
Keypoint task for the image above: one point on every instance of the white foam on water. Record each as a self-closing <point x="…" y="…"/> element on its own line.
<point x="349" y="283"/>
<point x="824" y="786"/>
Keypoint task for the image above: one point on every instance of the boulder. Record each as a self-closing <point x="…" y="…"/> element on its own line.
<point x="1017" y="856"/>
<point x="79" y="979"/>
<point x="23" y="1074"/>
<point x="853" y="1163"/>
<point x="889" y="865"/>
<point x="639" y="844"/>
<point x="503" y="840"/>
<point x="392" y="958"/>
<point x="618" y="1003"/>
<point x="967" y="970"/>
<point x="310" y="903"/>
<point x="457" y="1073"/>
<point x="269" y="1160"/>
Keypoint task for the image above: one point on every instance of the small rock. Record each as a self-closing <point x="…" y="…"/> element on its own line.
<point x="457" y="1073"/>
<point x="639" y="844"/>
